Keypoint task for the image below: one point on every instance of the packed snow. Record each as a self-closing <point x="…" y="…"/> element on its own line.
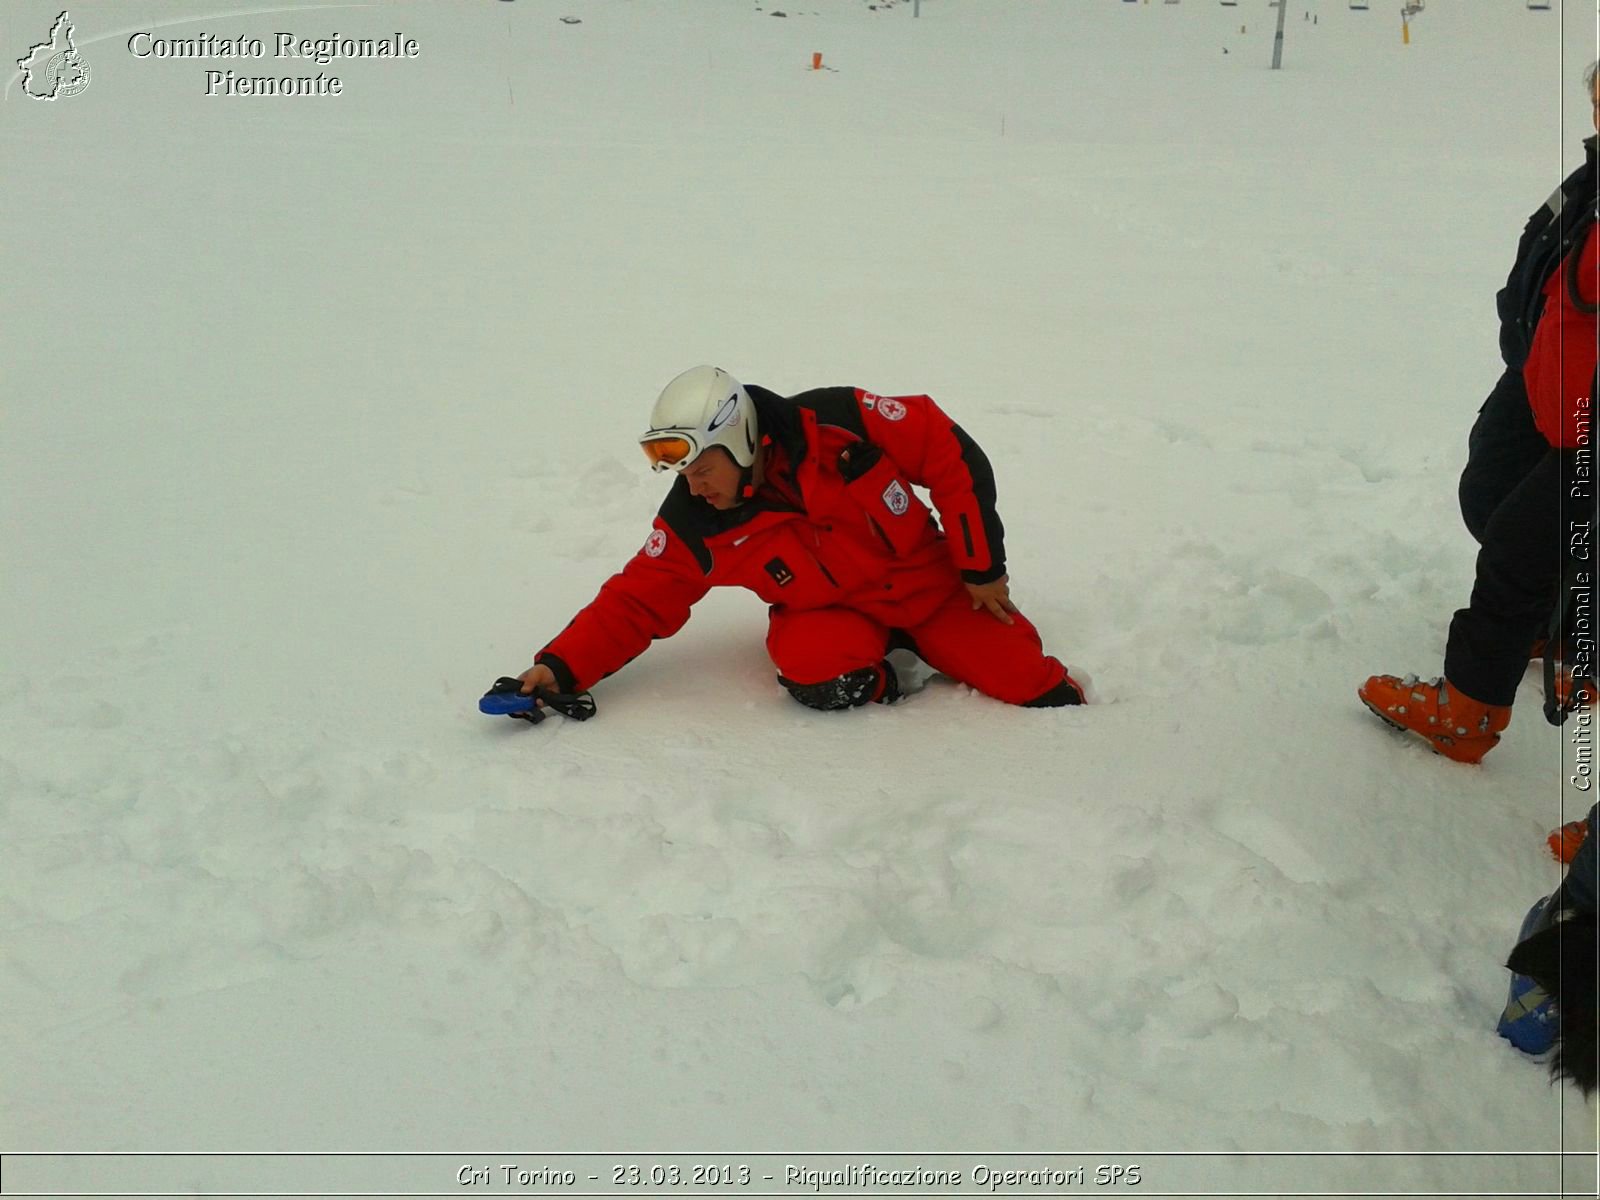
<point x="320" y="413"/>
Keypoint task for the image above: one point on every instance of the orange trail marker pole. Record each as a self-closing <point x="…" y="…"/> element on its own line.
<point x="816" y="61"/>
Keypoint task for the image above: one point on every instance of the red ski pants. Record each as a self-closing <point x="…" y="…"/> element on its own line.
<point x="971" y="646"/>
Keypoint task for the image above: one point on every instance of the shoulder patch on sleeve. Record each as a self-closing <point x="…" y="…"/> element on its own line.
<point x="655" y="543"/>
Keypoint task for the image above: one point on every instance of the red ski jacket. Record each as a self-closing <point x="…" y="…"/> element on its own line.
<point x="1560" y="371"/>
<point x="807" y="538"/>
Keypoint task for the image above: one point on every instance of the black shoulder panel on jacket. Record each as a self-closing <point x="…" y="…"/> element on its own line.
<point x="693" y="520"/>
<point x="834" y="406"/>
<point x="779" y="416"/>
<point x="685" y="514"/>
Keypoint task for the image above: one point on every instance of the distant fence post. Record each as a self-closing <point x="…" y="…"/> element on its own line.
<point x="1277" y="38"/>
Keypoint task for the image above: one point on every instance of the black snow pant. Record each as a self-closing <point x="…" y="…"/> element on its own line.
<point x="1583" y="876"/>
<point x="1515" y="502"/>
<point x="1502" y="448"/>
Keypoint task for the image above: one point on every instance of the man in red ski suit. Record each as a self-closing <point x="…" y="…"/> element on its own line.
<point x="807" y="501"/>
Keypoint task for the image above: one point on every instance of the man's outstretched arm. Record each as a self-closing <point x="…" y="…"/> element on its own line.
<point x="649" y="598"/>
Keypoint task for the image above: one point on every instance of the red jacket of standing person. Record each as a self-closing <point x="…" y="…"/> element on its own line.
<point x="809" y="502"/>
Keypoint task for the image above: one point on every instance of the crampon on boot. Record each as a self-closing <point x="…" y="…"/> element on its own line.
<point x="1452" y="723"/>
<point x="1564" y="842"/>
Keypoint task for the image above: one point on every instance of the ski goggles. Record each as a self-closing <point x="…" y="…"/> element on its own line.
<point x="669" y="449"/>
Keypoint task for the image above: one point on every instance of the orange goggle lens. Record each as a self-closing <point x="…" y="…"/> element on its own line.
<point x="667" y="452"/>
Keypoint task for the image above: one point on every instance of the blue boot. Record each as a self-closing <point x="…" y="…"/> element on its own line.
<point x="1529" y="1021"/>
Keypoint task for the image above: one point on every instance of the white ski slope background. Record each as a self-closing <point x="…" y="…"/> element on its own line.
<point x="319" y="414"/>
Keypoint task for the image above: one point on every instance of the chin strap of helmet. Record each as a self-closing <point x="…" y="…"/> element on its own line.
<point x="747" y="478"/>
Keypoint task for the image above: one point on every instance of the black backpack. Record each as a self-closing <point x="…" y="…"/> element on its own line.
<point x="1549" y="237"/>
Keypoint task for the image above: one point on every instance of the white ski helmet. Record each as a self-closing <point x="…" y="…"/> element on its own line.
<point x="702" y="408"/>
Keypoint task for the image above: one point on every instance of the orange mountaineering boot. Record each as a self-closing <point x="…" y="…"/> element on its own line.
<point x="1451" y="722"/>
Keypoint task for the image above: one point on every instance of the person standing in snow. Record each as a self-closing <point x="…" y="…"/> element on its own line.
<point x="1527" y="494"/>
<point x="807" y="501"/>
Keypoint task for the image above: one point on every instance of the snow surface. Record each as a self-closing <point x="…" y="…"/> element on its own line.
<point x="319" y="414"/>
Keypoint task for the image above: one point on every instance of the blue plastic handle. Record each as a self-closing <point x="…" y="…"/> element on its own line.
<point x="505" y="704"/>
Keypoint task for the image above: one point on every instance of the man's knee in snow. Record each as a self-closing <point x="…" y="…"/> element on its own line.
<point x="854" y="688"/>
